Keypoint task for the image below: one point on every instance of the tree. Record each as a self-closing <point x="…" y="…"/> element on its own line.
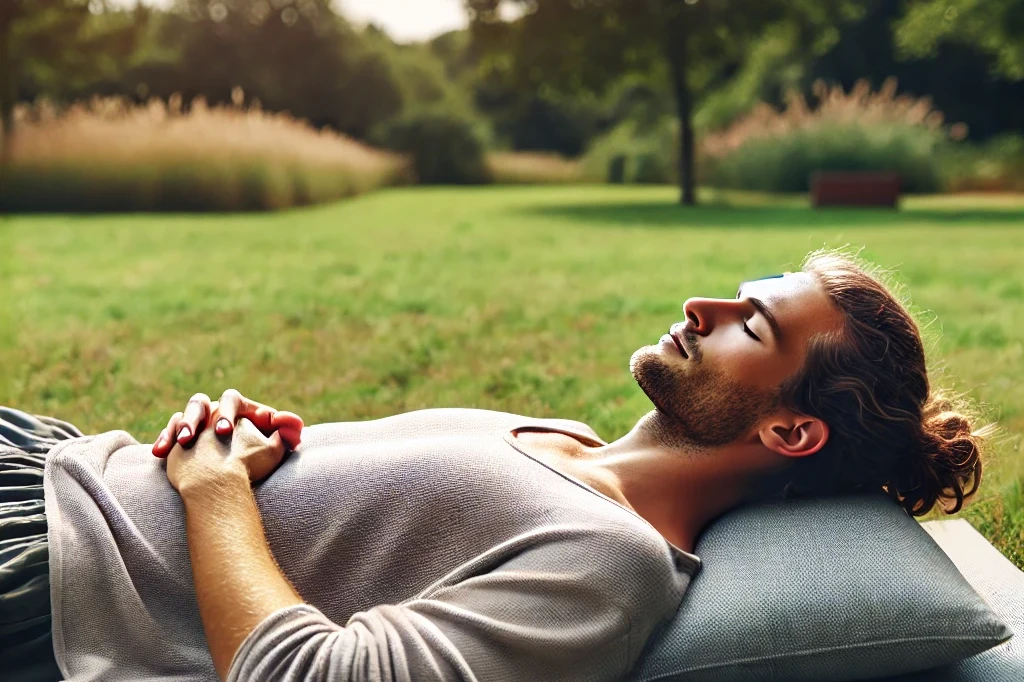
<point x="584" y="46"/>
<point x="298" y="56"/>
<point x="24" y="24"/>
<point x="962" y="78"/>
<point x="51" y="44"/>
<point x="996" y="26"/>
<point x="292" y="55"/>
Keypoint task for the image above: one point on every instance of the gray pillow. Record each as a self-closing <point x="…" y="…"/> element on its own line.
<point x="819" y="590"/>
<point x="1002" y="584"/>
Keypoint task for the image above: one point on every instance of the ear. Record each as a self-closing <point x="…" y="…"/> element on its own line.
<point x="794" y="435"/>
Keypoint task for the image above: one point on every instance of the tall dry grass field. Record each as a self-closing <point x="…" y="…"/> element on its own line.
<point x="533" y="168"/>
<point x="111" y="155"/>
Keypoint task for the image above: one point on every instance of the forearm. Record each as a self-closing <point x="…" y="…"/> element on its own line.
<point x="238" y="583"/>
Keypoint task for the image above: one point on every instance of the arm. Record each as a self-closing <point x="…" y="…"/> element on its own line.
<point x="561" y="604"/>
<point x="517" y="623"/>
<point x="238" y="583"/>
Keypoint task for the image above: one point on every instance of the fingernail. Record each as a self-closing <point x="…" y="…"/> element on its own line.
<point x="184" y="434"/>
<point x="223" y="424"/>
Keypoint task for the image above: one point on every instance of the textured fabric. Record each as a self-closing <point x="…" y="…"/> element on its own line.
<point x="427" y="546"/>
<point x="1002" y="585"/>
<point x="26" y="644"/>
<point x="820" y="591"/>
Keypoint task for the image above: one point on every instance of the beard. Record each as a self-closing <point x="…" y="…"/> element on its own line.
<point x="709" y="408"/>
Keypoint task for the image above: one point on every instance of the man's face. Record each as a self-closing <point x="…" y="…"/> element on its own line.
<point x="735" y="354"/>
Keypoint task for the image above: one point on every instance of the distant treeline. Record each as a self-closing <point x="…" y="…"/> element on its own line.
<point x="755" y="94"/>
<point x="300" y="56"/>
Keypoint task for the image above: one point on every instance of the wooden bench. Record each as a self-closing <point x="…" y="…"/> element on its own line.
<point x="855" y="189"/>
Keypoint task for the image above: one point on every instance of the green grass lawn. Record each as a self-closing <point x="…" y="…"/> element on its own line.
<point x="527" y="300"/>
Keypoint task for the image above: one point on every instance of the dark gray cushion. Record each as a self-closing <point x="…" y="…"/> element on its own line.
<point x="820" y="591"/>
<point x="999" y="582"/>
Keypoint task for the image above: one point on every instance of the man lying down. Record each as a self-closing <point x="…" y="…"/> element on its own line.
<point x="464" y="544"/>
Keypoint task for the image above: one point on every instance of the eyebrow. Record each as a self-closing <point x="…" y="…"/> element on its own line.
<point x="762" y="308"/>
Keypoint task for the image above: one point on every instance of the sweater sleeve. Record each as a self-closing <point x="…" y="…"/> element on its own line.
<point x="577" y="607"/>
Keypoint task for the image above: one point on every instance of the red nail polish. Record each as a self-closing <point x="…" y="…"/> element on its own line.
<point x="184" y="434"/>
<point x="223" y="424"/>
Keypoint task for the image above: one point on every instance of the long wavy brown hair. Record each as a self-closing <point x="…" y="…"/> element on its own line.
<point x="889" y="430"/>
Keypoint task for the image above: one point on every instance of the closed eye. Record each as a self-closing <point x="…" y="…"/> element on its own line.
<point x="749" y="332"/>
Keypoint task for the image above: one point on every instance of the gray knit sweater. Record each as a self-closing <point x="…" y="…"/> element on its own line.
<point x="427" y="546"/>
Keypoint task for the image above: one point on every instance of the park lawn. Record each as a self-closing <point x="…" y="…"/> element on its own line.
<point x="528" y="300"/>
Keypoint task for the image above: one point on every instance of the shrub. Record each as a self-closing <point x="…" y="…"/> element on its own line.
<point x="110" y="155"/>
<point x="634" y="153"/>
<point x="446" y="148"/>
<point x="550" y="122"/>
<point x="995" y="166"/>
<point x="777" y="151"/>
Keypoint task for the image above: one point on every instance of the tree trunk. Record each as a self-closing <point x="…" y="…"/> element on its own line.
<point x="675" y="43"/>
<point x="6" y="84"/>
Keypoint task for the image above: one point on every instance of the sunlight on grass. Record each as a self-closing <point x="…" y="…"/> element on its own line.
<point x="526" y="300"/>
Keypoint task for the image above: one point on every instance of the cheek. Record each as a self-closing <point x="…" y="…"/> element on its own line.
<point x="743" y="360"/>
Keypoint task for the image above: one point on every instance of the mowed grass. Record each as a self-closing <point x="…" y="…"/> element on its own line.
<point x="527" y="300"/>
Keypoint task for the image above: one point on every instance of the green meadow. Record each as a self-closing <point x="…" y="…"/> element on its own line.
<point x="527" y="299"/>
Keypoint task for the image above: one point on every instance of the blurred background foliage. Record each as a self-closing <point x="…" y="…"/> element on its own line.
<point x="645" y="91"/>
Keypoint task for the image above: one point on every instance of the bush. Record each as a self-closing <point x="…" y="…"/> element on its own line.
<point x="109" y="155"/>
<point x="995" y="166"/>
<point x="785" y="163"/>
<point x="446" y="148"/>
<point x="548" y="122"/>
<point x="777" y="151"/>
<point x="634" y="153"/>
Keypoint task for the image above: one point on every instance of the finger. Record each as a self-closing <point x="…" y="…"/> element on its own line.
<point x="165" y="441"/>
<point x="285" y="419"/>
<point x="227" y="411"/>
<point x="234" y="406"/>
<point x="160" y="444"/>
<point x="196" y="413"/>
<point x="290" y="425"/>
<point x="246" y="427"/>
<point x="291" y="437"/>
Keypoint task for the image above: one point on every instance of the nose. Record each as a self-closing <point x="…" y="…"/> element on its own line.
<point x="702" y="314"/>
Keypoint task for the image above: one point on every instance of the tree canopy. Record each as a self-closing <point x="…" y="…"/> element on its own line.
<point x="585" y="46"/>
<point x="57" y="45"/>
<point x="996" y="26"/>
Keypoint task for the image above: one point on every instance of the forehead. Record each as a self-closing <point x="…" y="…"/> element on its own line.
<point x="797" y="300"/>
<point x="774" y="286"/>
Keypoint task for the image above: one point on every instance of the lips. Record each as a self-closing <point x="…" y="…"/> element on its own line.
<point x="679" y="344"/>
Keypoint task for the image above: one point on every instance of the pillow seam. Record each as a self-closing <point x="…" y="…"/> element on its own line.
<point x="809" y="652"/>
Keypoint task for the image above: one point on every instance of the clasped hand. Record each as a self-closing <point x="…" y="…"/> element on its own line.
<point x="249" y="439"/>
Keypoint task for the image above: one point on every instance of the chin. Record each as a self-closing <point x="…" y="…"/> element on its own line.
<point x="655" y="378"/>
<point x="640" y="360"/>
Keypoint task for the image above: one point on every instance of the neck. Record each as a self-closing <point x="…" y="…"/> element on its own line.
<point x="677" y="486"/>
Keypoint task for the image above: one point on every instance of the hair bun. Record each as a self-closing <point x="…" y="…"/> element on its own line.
<point x="948" y="468"/>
